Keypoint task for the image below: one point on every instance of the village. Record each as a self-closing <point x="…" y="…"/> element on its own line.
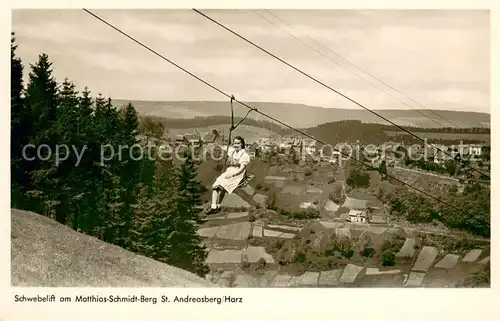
<point x="393" y="154"/>
<point x="388" y="151"/>
<point x="296" y="154"/>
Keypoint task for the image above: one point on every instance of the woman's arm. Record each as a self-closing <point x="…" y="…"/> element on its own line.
<point x="244" y="161"/>
<point x="239" y="171"/>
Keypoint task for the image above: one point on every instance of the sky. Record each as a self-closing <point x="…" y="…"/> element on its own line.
<point x="438" y="59"/>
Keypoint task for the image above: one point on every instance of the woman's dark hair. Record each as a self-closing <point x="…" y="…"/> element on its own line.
<point x="241" y="140"/>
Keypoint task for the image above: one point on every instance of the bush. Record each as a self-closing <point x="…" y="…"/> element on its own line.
<point x="388" y="258"/>
<point x="306" y="214"/>
<point x="271" y="201"/>
<point x="358" y="178"/>
<point x="367" y="252"/>
<point x="347" y="253"/>
<point x="300" y="257"/>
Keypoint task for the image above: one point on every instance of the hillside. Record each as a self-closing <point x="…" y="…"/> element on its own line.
<point x="300" y="115"/>
<point x="354" y="131"/>
<point x="46" y="253"/>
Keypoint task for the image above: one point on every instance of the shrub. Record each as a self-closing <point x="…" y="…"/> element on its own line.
<point x="300" y="257"/>
<point x="306" y="214"/>
<point x="388" y="258"/>
<point x="367" y="252"/>
<point x="271" y="201"/>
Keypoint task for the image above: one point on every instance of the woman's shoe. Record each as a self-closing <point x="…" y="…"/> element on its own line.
<point x="212" y="210"/>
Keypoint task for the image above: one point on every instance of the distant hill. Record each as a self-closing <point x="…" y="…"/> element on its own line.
<point x="46" y="253"/>
<point x="303" y="116"/>
<point x="353" y="131"/>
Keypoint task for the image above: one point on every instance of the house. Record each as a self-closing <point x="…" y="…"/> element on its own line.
<point x="265" y="144"/>
<point x="308" y="147"/>
<point x="393" y="153"/>
<point x="194" y="139"/>
<point x="251" y="150"/>
<point x="372" y="154"/>
<point x="210" y="137"/>
<point x="473" y="149"/>
<point x="437" y="153"/>
<point x="357" y="216"/>
<point x="179" y="140"/>
<point x="308" y="205"/>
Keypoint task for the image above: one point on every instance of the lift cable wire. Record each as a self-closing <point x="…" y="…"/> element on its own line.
<point x="332" y="89"/>
<point x="359" y="68"/>
<point x="341" y="66"/>
<point x="263" y="114"/>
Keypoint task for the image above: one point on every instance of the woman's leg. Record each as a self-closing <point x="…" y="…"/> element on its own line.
<point x="221" y="195"/>
<point x="215" y="197"/>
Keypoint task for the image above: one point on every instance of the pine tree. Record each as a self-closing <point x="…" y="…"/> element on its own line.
<point x="18" y="128"/>
<point x="190" y="189"/>
<point x="154" y="215"/>
<point x="67" y="114"/>
<point x="189" y="253"/>
<point x="131" y="162"/>
<point x="41" y="107"/>
<point x="42" y="99"/>
<point x="131" y="123"/>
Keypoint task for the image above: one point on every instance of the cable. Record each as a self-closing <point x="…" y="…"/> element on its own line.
<point x="366" y="72"/>
<point x="331" y="60"/>
<point x="261" y="113"/>
<point x="324" y="85"/>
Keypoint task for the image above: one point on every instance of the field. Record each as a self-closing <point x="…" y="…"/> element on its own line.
<point x="445" y="136"/>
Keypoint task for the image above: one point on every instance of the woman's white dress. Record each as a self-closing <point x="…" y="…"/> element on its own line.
<point x="235" y="159"/>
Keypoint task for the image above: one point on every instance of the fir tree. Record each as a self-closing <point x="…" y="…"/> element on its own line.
<point x="190" y="189"/>
<point x="42" y="98"/>
<point x="18" y="127"/>
<point x="188" y="251"/>
<point x="41" y="103"/>
<point x="155" y="215"/>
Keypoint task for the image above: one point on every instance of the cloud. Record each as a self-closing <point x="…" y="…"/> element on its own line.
<point x="61" y="27"/>
<point x="437" y="57"/>
<point x="117" y="62"/>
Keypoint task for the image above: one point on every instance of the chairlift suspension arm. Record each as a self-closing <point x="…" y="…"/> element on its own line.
<point x="233" y="127"/>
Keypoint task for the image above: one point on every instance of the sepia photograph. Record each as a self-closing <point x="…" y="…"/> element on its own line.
<point x="250" y="148"/>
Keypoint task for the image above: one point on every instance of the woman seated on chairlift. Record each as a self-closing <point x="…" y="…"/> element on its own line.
<point x="238" y="159"/>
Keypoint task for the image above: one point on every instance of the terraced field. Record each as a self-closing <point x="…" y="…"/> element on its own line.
<point x="244" y="251"/>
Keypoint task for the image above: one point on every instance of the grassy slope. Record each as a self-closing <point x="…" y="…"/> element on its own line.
<point x="46" y="253"/>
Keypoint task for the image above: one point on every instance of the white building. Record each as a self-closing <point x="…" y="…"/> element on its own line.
<point x="473" y="149"/>
<point x="308" y="147"/>
<point x="308" y="205"/>
<point x="357" y="216"/>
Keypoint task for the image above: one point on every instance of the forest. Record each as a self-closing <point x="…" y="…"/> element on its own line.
<point x="147" y="205"/>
